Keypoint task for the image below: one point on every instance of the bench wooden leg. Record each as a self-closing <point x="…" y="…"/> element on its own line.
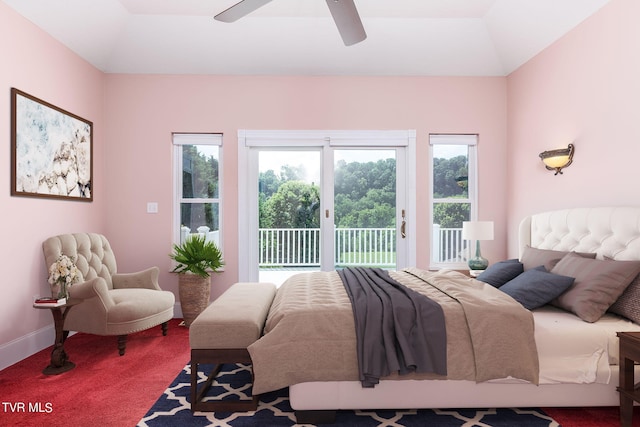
<point x="219" y="358"/>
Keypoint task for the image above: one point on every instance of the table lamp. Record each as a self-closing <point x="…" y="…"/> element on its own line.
<point x="477" y="230"/>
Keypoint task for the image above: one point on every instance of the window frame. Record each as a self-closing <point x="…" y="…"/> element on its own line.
<point x="471" y="141"/>
<point x="178" y="141"/>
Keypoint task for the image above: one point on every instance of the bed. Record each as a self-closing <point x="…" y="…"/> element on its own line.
<point x="577" y="351"/>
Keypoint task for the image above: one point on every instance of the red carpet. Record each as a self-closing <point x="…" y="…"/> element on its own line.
<point x="109" y="390"/>
<point x="590" y="417"/>
<point x="104" y="389"/>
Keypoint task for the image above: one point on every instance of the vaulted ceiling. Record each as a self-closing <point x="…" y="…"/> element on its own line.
<point x="404" y="37"/>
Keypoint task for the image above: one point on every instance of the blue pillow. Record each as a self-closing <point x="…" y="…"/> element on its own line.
<point x="536" y="287"/>
<point x="500" y="273"/>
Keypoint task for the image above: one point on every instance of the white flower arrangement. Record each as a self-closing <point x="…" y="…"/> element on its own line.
<point x="63" y="273"/>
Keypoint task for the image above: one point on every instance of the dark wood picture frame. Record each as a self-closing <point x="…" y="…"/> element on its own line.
<point x="51" y="150"/>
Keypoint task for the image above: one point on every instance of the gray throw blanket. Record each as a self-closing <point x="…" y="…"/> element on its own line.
<point x="397" y="329"/>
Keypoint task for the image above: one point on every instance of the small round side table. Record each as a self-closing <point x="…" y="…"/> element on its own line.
<point x="59" y="361"/>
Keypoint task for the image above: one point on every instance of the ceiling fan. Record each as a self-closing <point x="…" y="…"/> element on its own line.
<point x="344" y="14"/>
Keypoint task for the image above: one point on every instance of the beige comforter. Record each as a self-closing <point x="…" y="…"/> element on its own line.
<point x="310" y="332"/>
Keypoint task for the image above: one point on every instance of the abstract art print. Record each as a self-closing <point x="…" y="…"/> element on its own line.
<point x="51" y="150"/>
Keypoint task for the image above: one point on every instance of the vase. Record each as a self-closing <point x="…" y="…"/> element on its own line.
<point x="59" y="290"/>
<point x="194" y="295"/>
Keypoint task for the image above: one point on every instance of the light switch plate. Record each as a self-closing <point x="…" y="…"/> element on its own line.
<point x="152" y="207"/>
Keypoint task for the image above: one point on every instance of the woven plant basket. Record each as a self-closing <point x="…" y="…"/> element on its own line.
<point x="194" y="295"/>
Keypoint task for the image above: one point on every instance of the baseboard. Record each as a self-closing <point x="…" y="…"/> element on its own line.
<point x="23" y="347"/>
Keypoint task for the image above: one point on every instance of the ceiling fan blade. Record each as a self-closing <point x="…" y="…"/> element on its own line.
<point x="347" y="20"/>
<point x="239" y="10"/>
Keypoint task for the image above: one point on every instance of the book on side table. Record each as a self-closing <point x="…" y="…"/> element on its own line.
<point x="49" y="302"/>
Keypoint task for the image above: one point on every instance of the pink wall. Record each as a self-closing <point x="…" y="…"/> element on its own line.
<point x="134" y="116"/>
<point x="583" y="89"/>
<point x="143" y="111"/>
<point x="34" y="63"/>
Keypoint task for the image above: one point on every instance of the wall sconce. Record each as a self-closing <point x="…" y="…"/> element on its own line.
<point x="555" y="160"/>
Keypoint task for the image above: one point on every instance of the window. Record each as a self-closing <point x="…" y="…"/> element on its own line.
<point x="197" y="190"/>
<point x="454" y="196"/>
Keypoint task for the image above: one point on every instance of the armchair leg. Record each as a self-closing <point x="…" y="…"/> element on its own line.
<point x="122" y="343"/>
<point x="165" y="326"/>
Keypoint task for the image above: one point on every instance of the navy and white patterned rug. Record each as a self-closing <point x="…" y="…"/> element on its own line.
<point x="173" y="409"/>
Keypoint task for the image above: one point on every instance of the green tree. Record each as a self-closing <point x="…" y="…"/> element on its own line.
<point x="200" y="173"/>
<point x="449" y="177"/>
<point x="451" y="215"/>
<point x="450" y="180"/>
<point x="294" y="205"/>
<point x="268" y="183"/>
<point x="199" y="180"/>
<point x="365" y="194"/>
<point x="292" y="173"/>
<point x="375" y="210"/>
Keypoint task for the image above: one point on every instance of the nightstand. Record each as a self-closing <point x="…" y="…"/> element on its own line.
<point x="629" y="355"/>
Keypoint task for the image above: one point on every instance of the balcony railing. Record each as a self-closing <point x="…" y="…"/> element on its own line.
<point x="448" y="245"/>
<point x="300" y="247"/>
<point x="289" y="247"/>
<point x="365" y="246"/>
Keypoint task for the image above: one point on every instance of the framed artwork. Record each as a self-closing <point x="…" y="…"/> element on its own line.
<point x="51" y="150"/>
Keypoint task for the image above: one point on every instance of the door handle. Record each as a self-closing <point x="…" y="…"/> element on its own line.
<point x="403" y="232"/>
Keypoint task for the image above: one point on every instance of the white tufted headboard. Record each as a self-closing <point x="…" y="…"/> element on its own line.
<point x="613" y="232"/>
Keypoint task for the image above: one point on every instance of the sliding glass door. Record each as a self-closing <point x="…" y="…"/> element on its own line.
<point x="318" y="206"/>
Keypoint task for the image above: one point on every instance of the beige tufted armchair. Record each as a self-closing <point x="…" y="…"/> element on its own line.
<point x="112" y="303"/>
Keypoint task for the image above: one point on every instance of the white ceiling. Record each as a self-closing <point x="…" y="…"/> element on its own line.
<point x="405" y="37"/>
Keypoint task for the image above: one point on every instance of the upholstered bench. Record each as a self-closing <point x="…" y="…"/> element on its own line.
<point x="222" y="333"/>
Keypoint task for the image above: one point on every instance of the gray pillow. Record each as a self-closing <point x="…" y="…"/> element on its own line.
<point x="598" y="284"/>
<point x="536" y="287"/>
<point x="534" y="257"/>
<point x="628" y="305"/>
<point x="501" y="272"/>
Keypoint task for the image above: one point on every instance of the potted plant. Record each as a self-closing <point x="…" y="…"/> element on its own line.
<point x="196" y="258"/>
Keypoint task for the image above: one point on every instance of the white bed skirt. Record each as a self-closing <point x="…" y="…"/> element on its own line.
<point x="412" y="394"/>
